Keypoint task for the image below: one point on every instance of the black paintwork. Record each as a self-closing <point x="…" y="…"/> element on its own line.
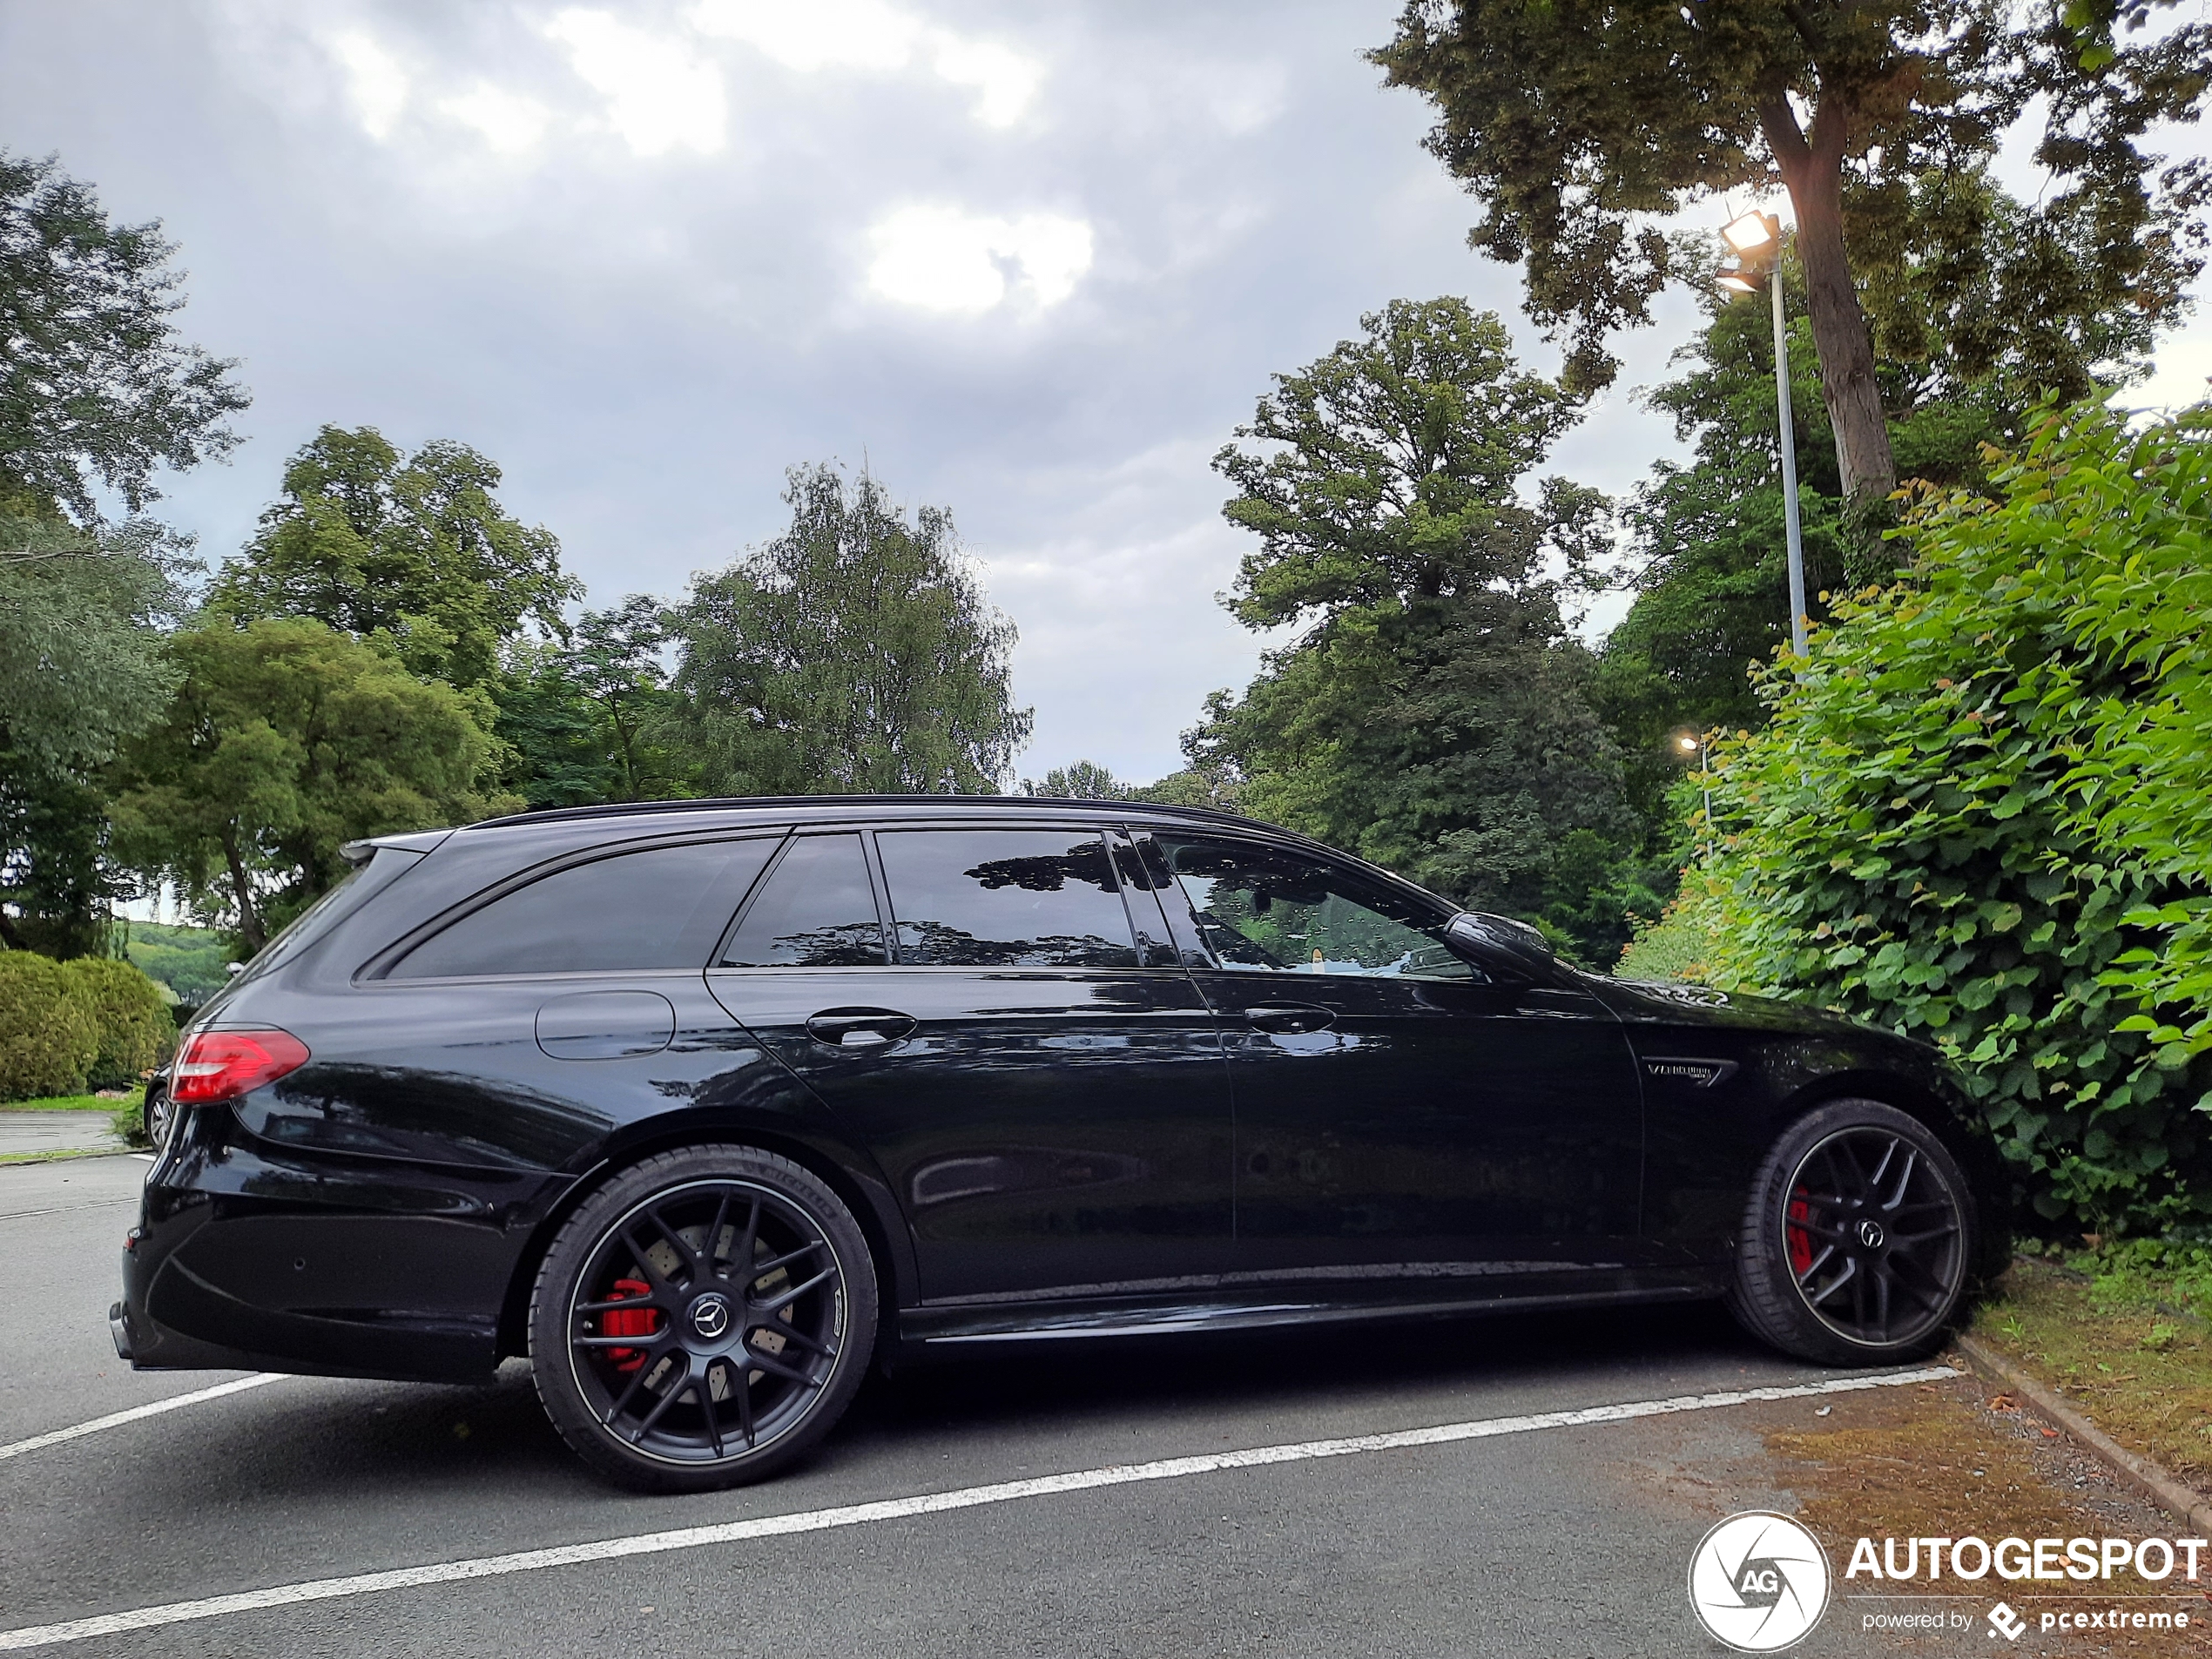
<point x="1033" y="1153"/>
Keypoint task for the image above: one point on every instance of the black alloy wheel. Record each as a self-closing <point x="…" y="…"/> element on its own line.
<point x="702" y="1319"/>
<point x="1857" y="1238"/>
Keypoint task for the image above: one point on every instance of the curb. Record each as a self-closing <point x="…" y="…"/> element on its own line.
<point x="2153" y="1481"/>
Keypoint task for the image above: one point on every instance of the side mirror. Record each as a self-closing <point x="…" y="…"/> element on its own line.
<point x="1513" y="947"/>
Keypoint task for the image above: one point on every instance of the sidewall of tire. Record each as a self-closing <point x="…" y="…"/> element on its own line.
<point x="552" y="1361"/>
<point x="1764" y="1298"/>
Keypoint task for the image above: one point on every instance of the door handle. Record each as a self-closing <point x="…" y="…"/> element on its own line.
<point x="1297" y="1017"/>
<point x="860" y="1028"/>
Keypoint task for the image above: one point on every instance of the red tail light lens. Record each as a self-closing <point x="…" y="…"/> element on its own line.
<point x="222" y="1065"/>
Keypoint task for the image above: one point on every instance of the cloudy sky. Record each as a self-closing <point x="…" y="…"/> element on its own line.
<point x="1030" y="262"/>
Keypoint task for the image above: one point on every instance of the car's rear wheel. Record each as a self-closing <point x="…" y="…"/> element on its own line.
<point x="702" y="1319"/>
<point x="1857" y="1237"/>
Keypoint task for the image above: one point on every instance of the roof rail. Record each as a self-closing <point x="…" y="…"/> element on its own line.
<point x="949" y="802"/>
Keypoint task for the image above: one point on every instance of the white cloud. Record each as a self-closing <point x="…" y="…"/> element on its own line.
<point x="659" y="96"/>
<point x="508" y="122"/>
<point x="378" y="83"/>
<point x="818" y="34"/>
<point x="874" y="37"/>
<point x="1004" y="80"/>
<point x="943" y="259"/>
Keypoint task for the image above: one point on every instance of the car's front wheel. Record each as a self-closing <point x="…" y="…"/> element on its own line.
<point x="702" y="1319"/>
<point x="1857" y="1237"/>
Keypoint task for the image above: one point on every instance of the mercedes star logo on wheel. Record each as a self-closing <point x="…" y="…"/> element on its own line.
<point x="1869" y="1234"/>
<point x="711" y="1316"/>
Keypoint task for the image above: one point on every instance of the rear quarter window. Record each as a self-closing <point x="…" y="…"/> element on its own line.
<point x="660" y="908"/>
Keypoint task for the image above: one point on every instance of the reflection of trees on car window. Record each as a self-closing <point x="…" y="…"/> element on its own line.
<point x="1048" y="874"/>
<point x="1267" y="910"/>
<point x="933" y="943"/>
<point x="857" y="944"/>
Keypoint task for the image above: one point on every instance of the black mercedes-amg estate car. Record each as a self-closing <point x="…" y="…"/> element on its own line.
<point x="703" y="1105"/>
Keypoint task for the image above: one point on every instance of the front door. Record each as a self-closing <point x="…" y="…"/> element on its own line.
<point x="1048" y="1100"/>
<point x="1400" y="1113"/>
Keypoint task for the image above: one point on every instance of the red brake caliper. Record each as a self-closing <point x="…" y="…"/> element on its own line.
<point x="1800" y="1240"/>
<point x="625" y="1322"/>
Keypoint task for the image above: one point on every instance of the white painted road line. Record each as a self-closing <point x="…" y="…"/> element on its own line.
<point x="67" y="1208"/>
<point x="116" y="1420"/>
<point x="856" y="1514"/>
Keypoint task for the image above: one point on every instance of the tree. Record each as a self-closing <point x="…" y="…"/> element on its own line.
<point x="853" y="654"/>
<point x="1582" y="125"/>
<point x="1432" y="715"/>
<point x="1963" y="360"/>
<point x="417" y="549"/>
<point x="96" y="389"/>
<point x="1085" y="780"/>
<point x="285" y="740"/>
<point x="81" y="667"/>
<point x="586" y="721"/>
<point x="1394" y="482"/>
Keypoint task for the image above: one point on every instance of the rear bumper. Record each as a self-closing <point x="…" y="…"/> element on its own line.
<point x="248" y="1257"/>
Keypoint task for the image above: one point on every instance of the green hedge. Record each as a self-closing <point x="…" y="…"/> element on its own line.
<point x="136" y="1030"/>
<point x="67" y="1027"/>
<point x="49" y="1032"/>
<point x="1978" y="815"/>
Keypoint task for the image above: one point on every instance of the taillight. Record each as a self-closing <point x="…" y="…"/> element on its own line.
<point x="222" y="1065"/>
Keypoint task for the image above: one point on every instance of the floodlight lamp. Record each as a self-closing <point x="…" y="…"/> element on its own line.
<point x="1737" y="282"/>
<point x="1748" y="232"/>
<point x="1687" y="743"/>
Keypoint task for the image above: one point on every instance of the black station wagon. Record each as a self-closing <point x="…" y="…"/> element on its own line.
<point x="703" y="1106"/>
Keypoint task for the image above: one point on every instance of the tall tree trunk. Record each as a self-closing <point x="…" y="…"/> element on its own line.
<point x="250" y="931"/>
<point x="1813" y="170"/>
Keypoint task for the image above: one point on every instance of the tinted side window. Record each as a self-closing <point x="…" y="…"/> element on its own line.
<point x="816" y="910"/>
<point x="1013" y="898"/>
<point x="663" y="907"/>
<point x="1269" y="911"/>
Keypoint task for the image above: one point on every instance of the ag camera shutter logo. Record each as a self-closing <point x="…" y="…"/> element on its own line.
<point x="1758" y="1581"/>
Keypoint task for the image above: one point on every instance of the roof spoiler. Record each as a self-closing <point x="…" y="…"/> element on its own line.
<point x="359" y="853"/>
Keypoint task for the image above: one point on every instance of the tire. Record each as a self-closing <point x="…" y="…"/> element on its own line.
<point x="730" y="1378"/>
<point x="1857" y="1238"/>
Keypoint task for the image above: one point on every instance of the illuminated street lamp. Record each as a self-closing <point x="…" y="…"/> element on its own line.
<point x="1756" y="240"/>
<point x="1687" y="741"/>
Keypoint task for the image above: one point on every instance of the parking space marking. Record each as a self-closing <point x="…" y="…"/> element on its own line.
<point x="116" y="1420"/>
<point x="853" y="1514"/>
<point x="67" y="1208"/>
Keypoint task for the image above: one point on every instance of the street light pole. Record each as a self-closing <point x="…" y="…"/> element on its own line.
<point x="1789" y="468"/>
<point x="1757" y="238"/>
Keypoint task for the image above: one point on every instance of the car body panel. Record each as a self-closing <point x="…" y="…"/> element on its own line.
<point x="1048" y="1153"/>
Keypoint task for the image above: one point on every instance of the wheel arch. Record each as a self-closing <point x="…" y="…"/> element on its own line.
<point x="1944" y="1114"/>
<point x="870" y="1200"/>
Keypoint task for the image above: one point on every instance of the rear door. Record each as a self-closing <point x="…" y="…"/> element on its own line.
<point x="1044" y="1091"/>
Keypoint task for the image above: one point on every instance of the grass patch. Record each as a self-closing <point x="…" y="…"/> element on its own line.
<point x="2122" y="1335"/>
<point x="76" y="1103"/>
<point x="1939" y="1461"/>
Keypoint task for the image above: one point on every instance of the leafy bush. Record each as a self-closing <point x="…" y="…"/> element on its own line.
<point x="1680" y="947"/>
<point x="130" y="1123"/>
<point x="49" y="1032"/>
<point x="135" y="1029"/>
<point x="1977" y="816"/>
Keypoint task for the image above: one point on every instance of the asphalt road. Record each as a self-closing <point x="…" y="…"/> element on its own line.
<point x="1554" y="1542"/>
<point x="55" y="1131"/>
